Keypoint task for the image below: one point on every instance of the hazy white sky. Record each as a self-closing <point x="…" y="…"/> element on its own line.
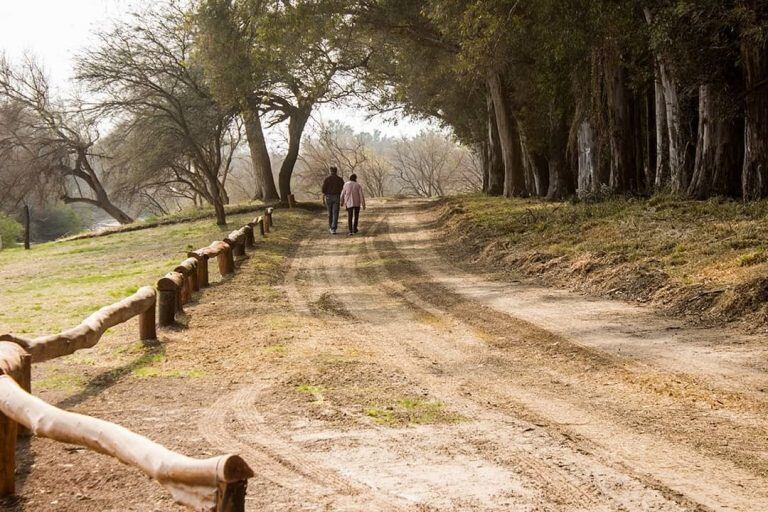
<point x="54" y="30"/>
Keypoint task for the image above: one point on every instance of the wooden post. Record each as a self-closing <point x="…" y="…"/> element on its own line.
<point x="147" y="331"/>
<point x="226" y="261"/>
<point x="231" y="496"/>
<point x="202" y="269"/>
<point x="26" y="226"/>
<point x="266" y="222"/>
<point x="250" y="241"/>
<point x="260" y="222"/>
<point x="169" y="298"/>
<point x="166" y="308"/>
<point x="7" y="456"/>
<point x="25" y="381"/>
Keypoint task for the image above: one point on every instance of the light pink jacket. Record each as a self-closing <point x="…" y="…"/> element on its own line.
<point x="352" y="195"/>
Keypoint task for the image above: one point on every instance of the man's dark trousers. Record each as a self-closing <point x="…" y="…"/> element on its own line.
<point x="332" y="202"/>
<point x="353" y="215"/>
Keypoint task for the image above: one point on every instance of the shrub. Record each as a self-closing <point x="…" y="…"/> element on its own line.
<point x="10" y="231"/>
<point x="55" y="222"/>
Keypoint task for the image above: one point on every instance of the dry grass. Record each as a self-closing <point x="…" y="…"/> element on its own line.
<point x="693" y="256"/>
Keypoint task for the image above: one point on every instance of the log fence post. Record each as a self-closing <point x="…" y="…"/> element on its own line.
<point x="260" y="222"/>
<point x="226" y="261"/>
<point x="202" y="269"/>
<point x="25" y="381"/>
<point x="169" y="298"/>
<point x="8" y="433"/>
<point x="250" y="241"/>
<point x="231" y="496"/>
<point x="147" y="330"/>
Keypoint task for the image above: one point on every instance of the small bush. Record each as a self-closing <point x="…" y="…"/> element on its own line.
<point x="55" y="222"/>
<point x="10" y="231"/>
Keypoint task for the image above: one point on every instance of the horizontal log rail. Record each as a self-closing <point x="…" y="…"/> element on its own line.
<point x="217" y="484"/>
<point x="214" y="484"/>
<point x="90" y="331"/>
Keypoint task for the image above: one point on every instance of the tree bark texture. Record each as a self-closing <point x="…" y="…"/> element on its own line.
<point x="495" y="158"/>
<point x="262" y="164"/>
<point x="296" y="123"/>
<point x="754" y="174"/>
<point x="509" y="138"/>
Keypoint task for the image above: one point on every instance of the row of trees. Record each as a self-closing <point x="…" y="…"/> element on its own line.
<point x="590" y="96"/>
<point x="555" y="96"/>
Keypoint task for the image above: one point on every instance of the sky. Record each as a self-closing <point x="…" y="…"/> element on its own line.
<point x="54" y="31"/>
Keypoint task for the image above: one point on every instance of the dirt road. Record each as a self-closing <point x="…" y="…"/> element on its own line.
<point x="374" y="374"/>
<point x="428" y="388"/>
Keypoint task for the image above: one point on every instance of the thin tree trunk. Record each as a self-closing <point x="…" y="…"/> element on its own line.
<point x="620" y="130"/>
<point x="296" y="124"/>
<point x="26" y="226"/>
<point x="509" y="137"/>
<point x="678" y="132"/>
<point x="216" y="198"/>
<point x="754" y="177"/>
<point x="587" y="173"/>
<point x="560" y="179"/>
<point x="495" y="159"/>
<point x="262" y="165"/>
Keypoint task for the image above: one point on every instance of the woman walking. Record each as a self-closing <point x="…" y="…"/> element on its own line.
<point x="352" y="199"/>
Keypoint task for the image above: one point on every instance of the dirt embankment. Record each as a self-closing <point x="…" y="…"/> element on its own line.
<point x="685" y="259"/>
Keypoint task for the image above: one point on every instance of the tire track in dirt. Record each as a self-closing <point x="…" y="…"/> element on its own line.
<point x="697" y="481"/>
<point x="234" y="423"/>
<point x="558" y="485"/>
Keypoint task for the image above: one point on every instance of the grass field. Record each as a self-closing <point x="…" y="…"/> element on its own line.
<point x="708" y="246"/>
<point x="57" y="284"/>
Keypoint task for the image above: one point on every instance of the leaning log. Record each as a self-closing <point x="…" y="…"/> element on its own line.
<point x="196" y="483"/>
<point x="90" y="331"/>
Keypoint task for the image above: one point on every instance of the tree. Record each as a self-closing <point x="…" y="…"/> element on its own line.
<point x="227" y="36"/>
<point x="143" y="72"/>
<point x="57" y="141"/>
<point x="430" y="165"/>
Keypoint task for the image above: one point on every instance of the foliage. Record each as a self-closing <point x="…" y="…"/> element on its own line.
<point x="10" y="231"/>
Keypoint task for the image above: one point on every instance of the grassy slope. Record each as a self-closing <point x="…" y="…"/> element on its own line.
<point x="705" y="258"/>
<point x="55" y="285"/>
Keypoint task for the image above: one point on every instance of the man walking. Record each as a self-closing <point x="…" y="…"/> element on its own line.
<point x="352" y="198"/>
<point x="332" y="195"/>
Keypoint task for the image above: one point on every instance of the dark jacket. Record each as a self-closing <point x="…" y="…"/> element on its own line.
<point x="332" y="185"/>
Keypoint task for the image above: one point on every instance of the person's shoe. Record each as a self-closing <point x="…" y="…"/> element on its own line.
<point x="333" y="231"/>
<point x="355" y="230"/>
<point x="350" y="234"/>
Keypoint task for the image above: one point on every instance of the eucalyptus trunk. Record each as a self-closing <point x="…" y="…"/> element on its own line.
<point x="509" y="137"/>
<point x="754" y="177"/>
<point x="495" y="159"/>
<point x="719" y="150"/>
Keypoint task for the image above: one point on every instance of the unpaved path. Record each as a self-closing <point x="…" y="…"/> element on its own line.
<point x="564" y="403"/>
<point x="370" y="373"/>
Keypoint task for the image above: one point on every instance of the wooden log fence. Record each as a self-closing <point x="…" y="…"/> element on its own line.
<point x="217" y="484"/>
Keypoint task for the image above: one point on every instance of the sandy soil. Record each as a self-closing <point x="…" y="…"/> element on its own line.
<point x="374" y="374"/>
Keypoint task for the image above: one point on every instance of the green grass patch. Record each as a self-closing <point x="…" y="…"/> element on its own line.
<point x="61" y="381"/>
<point x="315" y="391"/>
<point x="412" y="411"/>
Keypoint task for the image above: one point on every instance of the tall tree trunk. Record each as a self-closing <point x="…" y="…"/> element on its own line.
<point x="619" y="127"/>
<point x="26" y="226"/>
<point x="509" y="137"/>
<point x="718" y="150"/>
<point x="296" y="124"/>
<point x="754" y="176"/>
<point x="560" y="179"/>
<point x="536" y="167"/>
<point x="495" y="159"/>
<point x="587" y="172"/>
<point x="680" y="138"/>
<point x="214" y="187"/>
<point x="661" y="178"/>
<point x="262" y="165"/>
